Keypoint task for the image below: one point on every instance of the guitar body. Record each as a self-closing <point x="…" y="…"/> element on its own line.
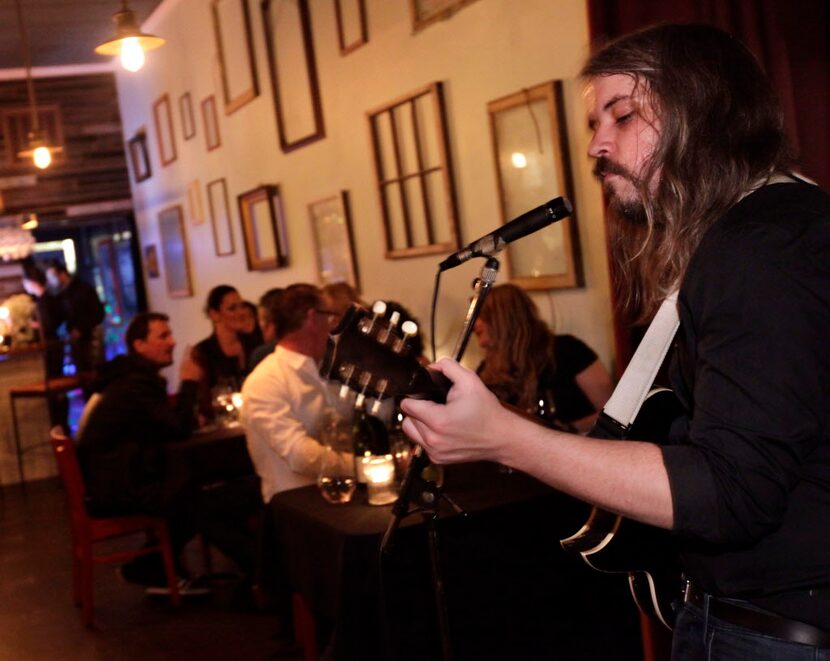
<point x="611" y="543"/>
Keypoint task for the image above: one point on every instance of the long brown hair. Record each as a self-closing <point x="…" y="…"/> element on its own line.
<point x="721" y="134"/>
<point x="521" y="345"/>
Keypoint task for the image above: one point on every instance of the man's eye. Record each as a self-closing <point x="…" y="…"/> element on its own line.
<point x="625" y="118"/>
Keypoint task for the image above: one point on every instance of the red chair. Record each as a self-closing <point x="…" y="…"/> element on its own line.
<point x="87" y="530"/>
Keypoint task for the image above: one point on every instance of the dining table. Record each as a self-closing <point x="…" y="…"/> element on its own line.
<point x="509" y="590"/>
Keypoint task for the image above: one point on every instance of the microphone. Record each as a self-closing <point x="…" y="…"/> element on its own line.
<point x="527" y="223"/>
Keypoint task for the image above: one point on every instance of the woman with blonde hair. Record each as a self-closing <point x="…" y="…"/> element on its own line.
<point x="558" y="378"/>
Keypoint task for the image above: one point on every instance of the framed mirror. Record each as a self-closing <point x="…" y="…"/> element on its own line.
<point x="175" y="253"/>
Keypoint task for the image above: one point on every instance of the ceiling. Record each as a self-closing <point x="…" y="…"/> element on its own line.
<point x="62" y="32"/>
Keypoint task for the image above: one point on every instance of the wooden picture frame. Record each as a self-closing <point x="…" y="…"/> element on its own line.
<point x="352" y="28"/>
<point x="175" y="253"/>
<point x="234" y="47"/>
<point x="194" y="203"/>
<point x="331" y="229"/>
<point x="188" y="119"/>
<point x="165" y="133"/>
<point x="293" y="73"/>
<point x="414" y="174"/>
<point x="426" y="12"/>
<point x="139" y="156"/>
<point x="530" y="143"/>
<point x="220" y="217"/>
<point x="211" y="119"/>
<point x="263" y="228"/>
<point x="151" y="261"/>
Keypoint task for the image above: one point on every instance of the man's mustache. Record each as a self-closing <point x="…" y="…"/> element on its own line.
<point x="605" y="165"/>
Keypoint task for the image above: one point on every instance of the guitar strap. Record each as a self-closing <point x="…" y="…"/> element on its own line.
<point x="634" y="385"/>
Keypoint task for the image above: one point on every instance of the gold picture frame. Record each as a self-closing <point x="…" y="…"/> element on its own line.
<point x="263" y="228"/>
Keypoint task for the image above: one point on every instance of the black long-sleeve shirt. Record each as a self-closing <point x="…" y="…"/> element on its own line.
<point x="750" y="480"/>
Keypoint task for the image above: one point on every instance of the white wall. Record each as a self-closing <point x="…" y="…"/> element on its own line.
<point x="487" y="50"/>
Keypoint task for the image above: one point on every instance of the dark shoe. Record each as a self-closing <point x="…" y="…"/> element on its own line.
<point x="187" y="588"/>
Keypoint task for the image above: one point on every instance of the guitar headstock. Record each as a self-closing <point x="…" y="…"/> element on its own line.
<point x="372" y="355"/>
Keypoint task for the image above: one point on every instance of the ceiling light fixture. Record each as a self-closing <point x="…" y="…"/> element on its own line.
<point x="39" y="150"/>
<point x="129" y="42"/>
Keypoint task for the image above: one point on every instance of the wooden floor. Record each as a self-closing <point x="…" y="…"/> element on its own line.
<point x="38" y="620"/>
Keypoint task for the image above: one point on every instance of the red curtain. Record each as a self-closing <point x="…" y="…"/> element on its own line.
<point x="791" y="39"/>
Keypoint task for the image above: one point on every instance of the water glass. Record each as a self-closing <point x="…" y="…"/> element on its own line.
<point x="336" y="479"/>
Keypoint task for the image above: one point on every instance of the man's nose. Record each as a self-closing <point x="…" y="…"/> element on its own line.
<point x="600" y="144"/>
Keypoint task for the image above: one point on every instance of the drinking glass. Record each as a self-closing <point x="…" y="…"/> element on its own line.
<point x="336" y="479"/>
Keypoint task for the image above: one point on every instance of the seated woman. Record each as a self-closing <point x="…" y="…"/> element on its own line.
<point x="224" y="355"/>
<point x="557" y="378"/>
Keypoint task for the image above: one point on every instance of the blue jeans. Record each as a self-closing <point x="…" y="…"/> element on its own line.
<point x="700" y="637"/>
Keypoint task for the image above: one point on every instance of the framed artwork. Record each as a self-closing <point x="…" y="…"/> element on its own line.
<point x="139" y="156"/>
<point x="165" y="135"/>
<point x="293" y="72"/>
<point x="263" y="227"/>
<point x="175" y="253"/>
<point x="151" y="261"/>
<point x="194" y="203"/>
<point x="425" y="12"/>
<point x="237" y="65"/>
<point x="211" y="119"/>
<point x="414" y="174"/>
<point x="352" y="30"/>
<point x="332" y="232"/>
<point x="220" y="217"/>
<point x="532" y="165"/>
<point x="188" y="121"/>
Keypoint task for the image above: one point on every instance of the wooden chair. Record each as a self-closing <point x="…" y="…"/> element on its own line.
<point x="87" y="530"/>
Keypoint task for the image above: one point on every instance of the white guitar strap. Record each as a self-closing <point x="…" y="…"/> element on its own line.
<point x="635" y="383"/>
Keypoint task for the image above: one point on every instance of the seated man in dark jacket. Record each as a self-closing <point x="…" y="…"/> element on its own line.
<point x="121" y="447"/>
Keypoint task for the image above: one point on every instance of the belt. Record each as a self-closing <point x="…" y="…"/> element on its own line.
<point x="761" y="622"/>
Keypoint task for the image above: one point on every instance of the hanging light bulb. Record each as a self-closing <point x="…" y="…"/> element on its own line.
<point x="129" y="42"/>
<point x="41" y="157"/>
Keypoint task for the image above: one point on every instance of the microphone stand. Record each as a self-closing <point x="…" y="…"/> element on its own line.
<point x="427" y="494"/>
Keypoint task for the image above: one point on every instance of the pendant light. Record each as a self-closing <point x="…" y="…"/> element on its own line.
<point x="39" y="150"/>
<point x="129" y="42"/>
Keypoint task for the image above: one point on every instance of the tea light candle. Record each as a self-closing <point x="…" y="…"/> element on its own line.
<point x="380" y="478"/>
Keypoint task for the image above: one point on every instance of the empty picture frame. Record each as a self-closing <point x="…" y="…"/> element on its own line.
<point x="293" y="72"/>
<point x="188" y="120"/>
<point x="139" y="156"/>
<point x="425" y="12"/>
<point x="175" y="253"/>
<point x="332" y="232"/>
<point x="211" y="119"/>
<point x="165" y="134"/>
<point x="232" y="27"/>
<point x="194" y="203"/>
<point x="220" y="217"/>
<point x="532" y="166"/>
<point x="263" y="228"/>
<point x="352" y="30"/>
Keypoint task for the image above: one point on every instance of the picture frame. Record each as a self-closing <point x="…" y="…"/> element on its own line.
<point x="352" y="28"/>
<point x="175" y="253"/>
<point x="186" y="113"/>
<point x="530" y="143"/>
<point x="139" y="156"/>
<point x="263" y="228"/>
<point x="220" y="217"/>
<point x="194" y="203"/>
<point x="165" y="133"/>
<point x="234" y="47"/>
<point x="212" y="138"/>
<point x="151" y="261"/>
<point x="426" y="12"/>
<point x="293" y="73"/>
<point x="331" y="229"/>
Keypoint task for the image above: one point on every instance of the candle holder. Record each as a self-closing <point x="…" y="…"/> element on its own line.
<point x="380" y="479"/>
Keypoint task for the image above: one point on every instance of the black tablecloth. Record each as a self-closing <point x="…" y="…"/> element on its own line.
<point x="511" y="592"/>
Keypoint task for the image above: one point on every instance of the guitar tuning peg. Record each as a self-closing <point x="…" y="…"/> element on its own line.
<point x="380" y="388"/>
<point x="378" y="310"/>
<point x="346" y="372"/>
<point x="376" y="407"/>
<point x="394" y="318"/>
<point x="408" y="329"/>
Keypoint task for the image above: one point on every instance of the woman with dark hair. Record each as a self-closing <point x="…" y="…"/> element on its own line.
<point x="556" y="377"/>
<point x="224" y="355"/>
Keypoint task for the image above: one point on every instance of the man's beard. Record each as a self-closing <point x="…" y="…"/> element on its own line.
<point x="629" y="209"/>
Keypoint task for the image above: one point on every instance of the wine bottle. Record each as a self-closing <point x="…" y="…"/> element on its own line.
<point x="369" y="436"/>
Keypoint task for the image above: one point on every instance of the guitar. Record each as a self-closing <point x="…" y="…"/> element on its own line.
<point x="371" y="355"/>
<point x="611" y="543"/>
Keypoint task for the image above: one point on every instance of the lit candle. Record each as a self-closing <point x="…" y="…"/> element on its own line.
<point x="380" y="479"/>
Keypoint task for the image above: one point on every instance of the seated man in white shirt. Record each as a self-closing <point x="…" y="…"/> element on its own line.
<point x="284" y="397"/>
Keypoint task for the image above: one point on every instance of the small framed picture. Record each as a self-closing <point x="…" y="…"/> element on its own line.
<point x="220" y="217"/>
<point x="425" y="12"/>
<point x="151" y="261"/>
<point x="175" y="253"/>
<point x="211" y="119"/>
<point x="139" y="156"/>
<point x="194" y="203"/>
<point x="332" y="232"/>
<point x="165" y="134"/>
<point x="263" y="227"/>
<point x="188" y="121"/>
<point x="352" y="32"/>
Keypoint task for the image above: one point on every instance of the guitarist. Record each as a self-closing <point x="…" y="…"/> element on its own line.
<point x="689" y="145"/>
